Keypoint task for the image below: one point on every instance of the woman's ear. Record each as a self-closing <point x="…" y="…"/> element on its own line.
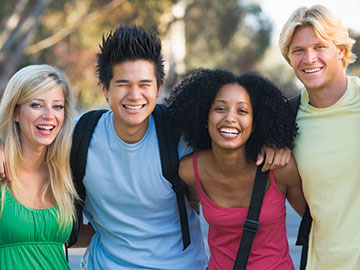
<point x="16" y="113"/>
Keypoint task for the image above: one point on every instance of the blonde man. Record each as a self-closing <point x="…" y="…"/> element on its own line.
<point x="318" y="48"/>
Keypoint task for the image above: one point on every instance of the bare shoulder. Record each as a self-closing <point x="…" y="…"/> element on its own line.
<point x="186" y="173"/>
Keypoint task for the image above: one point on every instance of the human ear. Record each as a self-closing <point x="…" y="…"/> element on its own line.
<point x="16" y="113"/>
<point x="341" y="52"/>
<point x="104" y="90"/>
<point x="160" y="87"/>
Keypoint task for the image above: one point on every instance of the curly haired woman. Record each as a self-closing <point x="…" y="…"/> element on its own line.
<point x="227" y="120"/>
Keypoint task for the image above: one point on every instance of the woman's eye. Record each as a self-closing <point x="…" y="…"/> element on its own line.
<point x="35" y="105"/>
<point x="59" y="107"/>
<point x="219" y="109"/>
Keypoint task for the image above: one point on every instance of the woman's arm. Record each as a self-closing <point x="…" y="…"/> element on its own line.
<point x="289" y="177"/>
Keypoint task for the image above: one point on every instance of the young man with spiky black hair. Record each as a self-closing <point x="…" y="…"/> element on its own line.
<point x="129" y="203"/>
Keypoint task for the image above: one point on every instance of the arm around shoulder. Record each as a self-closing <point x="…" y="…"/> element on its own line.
<point x="273" y="158"/>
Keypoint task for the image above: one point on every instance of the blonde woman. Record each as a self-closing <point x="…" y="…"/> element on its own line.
<point x="37" y="212"/>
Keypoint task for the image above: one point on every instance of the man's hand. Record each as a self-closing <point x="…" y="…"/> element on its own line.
<point x="274" y="158"/>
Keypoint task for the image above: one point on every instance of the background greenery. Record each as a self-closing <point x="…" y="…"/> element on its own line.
<point x="231" y="34"/>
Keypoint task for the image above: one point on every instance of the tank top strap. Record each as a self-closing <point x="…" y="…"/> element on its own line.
<point x="196" y="172"/>
<point x="272" y="178"/>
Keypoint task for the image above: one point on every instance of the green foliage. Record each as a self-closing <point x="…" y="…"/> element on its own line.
<point x="227" y="34"/>
<point x="74" y="30"/>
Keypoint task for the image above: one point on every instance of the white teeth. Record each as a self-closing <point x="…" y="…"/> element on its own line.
<point x="46" y="127"/>
<point x="229" y="130"/>
<point x="133" y="107"/>
<point x="311" y="70"/>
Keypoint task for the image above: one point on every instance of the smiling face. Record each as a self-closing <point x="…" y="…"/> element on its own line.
<point x="132" y="97"/>
<point x="40" y="119"/>
<point x="316" y="62"/>
<point x="230" y="117"/>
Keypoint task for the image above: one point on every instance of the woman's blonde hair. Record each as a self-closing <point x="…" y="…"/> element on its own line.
<point x="326" y="25"/>
<point x="25" y="85"/>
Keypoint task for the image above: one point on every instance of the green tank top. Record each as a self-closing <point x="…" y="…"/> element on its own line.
<point x="30" y="238"/>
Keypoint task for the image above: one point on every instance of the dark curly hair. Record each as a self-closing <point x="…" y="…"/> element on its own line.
<point x="128" y="43"/>
<point x="190" y="101"/>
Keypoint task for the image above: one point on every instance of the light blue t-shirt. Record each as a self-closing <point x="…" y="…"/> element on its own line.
<point x="133" y="208"/>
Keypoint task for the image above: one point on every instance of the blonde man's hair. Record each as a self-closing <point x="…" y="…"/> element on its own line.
<point x="326" y="25"/>
<point x="25" y="85"/>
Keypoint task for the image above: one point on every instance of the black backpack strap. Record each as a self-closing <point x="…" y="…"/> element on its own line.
<point x="81" y="140"/>
<point x="66" y="252"/>
<point x="170" y="163"/>
<point x="295" y="104"/>
<point x="251" y="224"/>
<point x="305" y="225"/>
<point x="303" y="236"/>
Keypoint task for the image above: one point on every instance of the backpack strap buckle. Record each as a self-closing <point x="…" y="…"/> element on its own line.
<point x="251" y="225"/>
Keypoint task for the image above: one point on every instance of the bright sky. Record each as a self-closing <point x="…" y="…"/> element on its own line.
<point x="279" y="11"/>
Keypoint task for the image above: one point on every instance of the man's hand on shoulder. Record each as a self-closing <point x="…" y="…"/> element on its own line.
<point x="274" y="158"/>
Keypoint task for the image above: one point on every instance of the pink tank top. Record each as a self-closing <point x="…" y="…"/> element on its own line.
<point x="270" y="249"/>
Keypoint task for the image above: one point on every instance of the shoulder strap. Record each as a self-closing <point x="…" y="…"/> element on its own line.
<point x="251" y="224"/>
<point x="170" y="162"/>
<point x="303" y="236"/>
<point x="295" y="104"/>
<point x="305" y="225"/>
<point x="81" y="140"/>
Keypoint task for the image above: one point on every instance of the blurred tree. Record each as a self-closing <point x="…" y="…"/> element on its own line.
<point x="66" y="33"/>
<point x="355" y="67"/>
<point x="275" y="68"/>
<point x="17" y="32"/>
<point x="232" y="34"/>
